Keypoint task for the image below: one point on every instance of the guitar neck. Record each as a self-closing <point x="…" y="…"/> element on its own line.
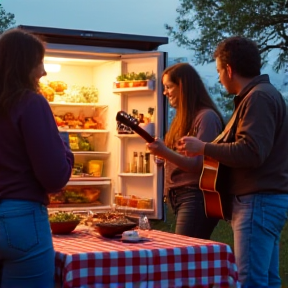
<point x="144" y="134"/>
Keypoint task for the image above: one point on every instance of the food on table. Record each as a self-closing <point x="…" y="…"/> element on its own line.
<point x="62" y="216"/>
<point x="130" y="235"/>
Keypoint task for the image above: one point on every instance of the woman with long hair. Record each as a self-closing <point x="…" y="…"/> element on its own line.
<point x="34" y="161"/>
<point x="197" y="115"/>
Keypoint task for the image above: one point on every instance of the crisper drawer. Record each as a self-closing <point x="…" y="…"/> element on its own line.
<point x="85" y="196"/>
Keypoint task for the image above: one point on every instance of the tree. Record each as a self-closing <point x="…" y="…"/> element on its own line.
<point x="7" y="20"/>
<point x="201" y="24"/>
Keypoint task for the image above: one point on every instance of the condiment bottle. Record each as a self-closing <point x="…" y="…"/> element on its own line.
<point x="147" y="162"/>
<point x="134" y="162"/>
<point x="141" y="163"/>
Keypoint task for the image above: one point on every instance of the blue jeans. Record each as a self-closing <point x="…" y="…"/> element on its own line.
<point x="27" y="256"/>
<point x="257" y="222"/>
<point x="191" y="220"/>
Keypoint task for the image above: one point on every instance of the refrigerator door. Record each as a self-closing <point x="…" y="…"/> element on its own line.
<point x="102" y="177"/>
<point x="132" y="182"/>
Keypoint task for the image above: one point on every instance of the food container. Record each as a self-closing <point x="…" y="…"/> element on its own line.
<point x="95" y="168"/>
<point x="76" y="195"/>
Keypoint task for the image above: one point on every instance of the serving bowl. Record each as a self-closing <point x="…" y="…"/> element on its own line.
<point x="63" y="222"/>
<point x="63" y="227"/>
<point x="110" y="230"/>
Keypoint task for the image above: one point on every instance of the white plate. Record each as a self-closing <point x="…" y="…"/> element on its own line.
<point x="141" y="239"/>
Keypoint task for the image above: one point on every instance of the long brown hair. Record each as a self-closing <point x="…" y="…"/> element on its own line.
<point x="192" y="98"/>
<point x="20" y="53"/>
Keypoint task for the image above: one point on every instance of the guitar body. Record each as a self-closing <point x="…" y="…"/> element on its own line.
<point x="217" y="199"/>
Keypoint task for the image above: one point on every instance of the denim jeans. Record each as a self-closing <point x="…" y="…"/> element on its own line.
<point x="26" y="250"/>
<point x="191" y="220"/>
<point x="257" y="222"/>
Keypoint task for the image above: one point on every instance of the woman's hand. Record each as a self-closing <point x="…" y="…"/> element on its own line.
<point x="191" y="146"/>
<point x="157" y="147"/>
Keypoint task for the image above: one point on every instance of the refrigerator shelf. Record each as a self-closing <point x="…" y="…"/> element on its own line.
<point x="135" y="174"/>
<point x="76" y="104"/>
<point x="77" y="207"/>
<point x="83" y="130"/>
<point x="89" y="181"/>
<point x="99" y="155"/>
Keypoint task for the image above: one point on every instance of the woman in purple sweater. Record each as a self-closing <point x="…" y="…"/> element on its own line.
<point x="196" y="115"/>
<point x="34" y="161"/>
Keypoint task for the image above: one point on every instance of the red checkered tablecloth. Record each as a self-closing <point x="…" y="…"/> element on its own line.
<point x="85" y="259"/>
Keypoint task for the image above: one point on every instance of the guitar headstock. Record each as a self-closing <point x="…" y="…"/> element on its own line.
<point x="131" y="122"/>
<point x="126" y="119"/>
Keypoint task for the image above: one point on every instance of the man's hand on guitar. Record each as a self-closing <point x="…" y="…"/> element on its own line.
<point x="191" y="146"/>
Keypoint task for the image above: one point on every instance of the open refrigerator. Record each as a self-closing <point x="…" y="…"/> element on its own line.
<point x="112" y="167"/>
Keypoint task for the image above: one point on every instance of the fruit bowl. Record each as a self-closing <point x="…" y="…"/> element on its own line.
<point x="110" y="230"/>
<point x="63" y="227"/>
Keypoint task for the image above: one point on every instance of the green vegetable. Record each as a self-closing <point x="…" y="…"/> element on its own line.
<point x="64" y="217"/>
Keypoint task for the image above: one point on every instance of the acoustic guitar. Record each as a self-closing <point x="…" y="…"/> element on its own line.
<point x="217" y="200"/>
<point x="131" y="122"/>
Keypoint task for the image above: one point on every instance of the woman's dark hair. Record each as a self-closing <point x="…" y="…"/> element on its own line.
<point x="20" y="53"/>
<point x="193" y="97"/>
<point x="241" y="54"/>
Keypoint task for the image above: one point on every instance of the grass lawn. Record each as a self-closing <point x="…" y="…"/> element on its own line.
<point x="223" y="233"/>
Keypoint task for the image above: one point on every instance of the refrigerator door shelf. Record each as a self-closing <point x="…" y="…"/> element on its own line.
<point x="150" y="86"/>
<point x="135" y="174"/>
<point x="121" y="136"/>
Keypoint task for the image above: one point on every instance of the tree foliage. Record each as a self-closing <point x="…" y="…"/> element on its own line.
<point x="201" y="24"/>
<point x="7" y="20"/>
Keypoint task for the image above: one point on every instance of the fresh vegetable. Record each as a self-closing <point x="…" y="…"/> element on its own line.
<point x="64" y="217"/>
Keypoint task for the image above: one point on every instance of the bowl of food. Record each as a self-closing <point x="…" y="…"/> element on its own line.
<point x="110" y="224"/>
<point x="63" y="222"/>
<point x="110" y="230"/>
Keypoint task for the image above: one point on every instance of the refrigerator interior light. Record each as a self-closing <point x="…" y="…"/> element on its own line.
<point x="52" y="67"/>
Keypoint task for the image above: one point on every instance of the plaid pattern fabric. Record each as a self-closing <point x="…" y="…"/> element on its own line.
<point x="85" y="259"/>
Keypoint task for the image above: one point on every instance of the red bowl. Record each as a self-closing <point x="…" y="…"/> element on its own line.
<point x="63" y="227"/>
